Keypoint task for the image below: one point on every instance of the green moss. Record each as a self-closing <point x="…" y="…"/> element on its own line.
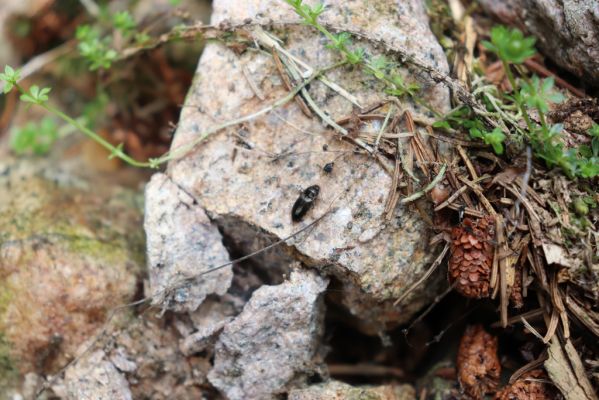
<point x="6" y="296"/>
<point x="9" y="375"/>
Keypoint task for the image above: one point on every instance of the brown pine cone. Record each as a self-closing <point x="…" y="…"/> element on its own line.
<point x="530" y="386"/>
<point x="478" y="365"/>
<point x="472" y="256"/>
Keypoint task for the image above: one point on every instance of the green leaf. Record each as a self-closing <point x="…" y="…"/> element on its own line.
<point x="340" y="41"/>
<point x="124" y="22"/>
<point x="10" y="78"/>
<point x="585" y="151"/>
<point x="381" y="62"/>
<point x="510" y="45"/>
<point x="476" y="133"/>
<point x="442" y="124"/>
<point x="34" y="138"/>
<point x="116" y="152"/>
<point x="355" y="57"/>
<point x="495" y="138"/>
<point x="536" y="93"/>
<point x="589" y="168"/>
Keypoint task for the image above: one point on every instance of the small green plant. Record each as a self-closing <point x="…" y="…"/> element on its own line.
<point x="34" y="138"/>
<point x="465" y="118"/>
<point x="10" y="77"/>
<point x="510" y="45"/>
<point x="124" y="22"/>
<point x="379" y="67"/>
<point x="36" y="95"/>
<point x="94" y="48"/>
<point x="39" y="96"/>
<point x="529" y="94"/>
<point x="494" y="138"/>
<point x="97" y="41"/>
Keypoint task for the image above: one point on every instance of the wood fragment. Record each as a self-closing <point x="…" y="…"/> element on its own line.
<point x="427" y="188"/>
<point x="287" y="82"/>
<point x="468" y="163"/>
<point x="589" y="318"/>
<point x="536" y="363"/>
<point x="565" y="369"/>
<point x="552" y="326"/>
<point x="503" y="269"/>
<point x="471" y="212"/>
<point x="453" y="180"/>
<point x="479" y="192"/>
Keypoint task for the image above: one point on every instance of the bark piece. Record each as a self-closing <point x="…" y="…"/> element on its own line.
<point x="566" y="370"/>
<point x="273" y="343"/>
<point x="478" y="364"/>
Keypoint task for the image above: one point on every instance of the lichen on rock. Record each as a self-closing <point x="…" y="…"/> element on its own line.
<point x="69" y="253"/>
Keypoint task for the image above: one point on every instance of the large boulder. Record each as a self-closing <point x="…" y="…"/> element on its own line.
<point x="247" y="178"/>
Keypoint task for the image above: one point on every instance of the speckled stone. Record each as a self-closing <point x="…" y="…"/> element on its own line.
<point x="181" y="242"/>
<point x="334" y="390"/>
<point x="236" y="180"/>
<point x="274" y="342"/>
<point x="96" y="378"/>
<point x="70" y="251"/>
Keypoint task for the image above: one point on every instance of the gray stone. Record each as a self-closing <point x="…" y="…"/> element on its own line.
<point x="251" y="175"/>
<point x="209" y="320"/>
<point x="95" y="378"/>
<point x="273" y="344"/>
<point x="567" y="31"/>
<point x="181" y="242"/>
<point x="334" y="390"/>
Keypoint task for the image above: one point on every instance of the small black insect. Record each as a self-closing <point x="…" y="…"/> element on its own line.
<point x="304" y="202"/>
<point x="328" y="168"/>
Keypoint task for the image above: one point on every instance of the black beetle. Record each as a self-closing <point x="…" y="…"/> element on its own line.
<point x="304" y="202"/>
<point x="328" y="168"/>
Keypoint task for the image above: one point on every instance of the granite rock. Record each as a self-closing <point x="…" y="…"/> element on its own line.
<point x="250" y="175"/>
<point x="181" y="242"/>
<point x="95" y="378"/>
<point x="273" y="344"/>
<point x="70" y="250"/>
<point x="334" y="390"/>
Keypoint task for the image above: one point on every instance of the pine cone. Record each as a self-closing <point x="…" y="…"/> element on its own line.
<point x="478" y="365"/>
<point x="472" y="257"/>
<point x="530" y="386"/>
